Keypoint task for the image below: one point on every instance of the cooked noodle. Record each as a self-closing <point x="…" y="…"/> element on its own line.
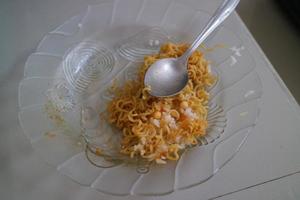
<point x="155" y="128"/>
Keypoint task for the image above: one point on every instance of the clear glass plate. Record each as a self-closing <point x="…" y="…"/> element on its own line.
<point x="65" y="88"/>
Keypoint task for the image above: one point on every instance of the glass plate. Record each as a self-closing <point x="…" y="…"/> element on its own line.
<point x="65" y="87"/>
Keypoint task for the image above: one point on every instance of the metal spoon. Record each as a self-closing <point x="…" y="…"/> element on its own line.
<point x="167" y="77"/>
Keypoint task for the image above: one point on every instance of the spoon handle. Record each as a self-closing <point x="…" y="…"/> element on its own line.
<point x="218" y="17"/>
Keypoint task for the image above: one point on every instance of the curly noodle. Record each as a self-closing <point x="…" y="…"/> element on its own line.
<point x="155" y="128"/>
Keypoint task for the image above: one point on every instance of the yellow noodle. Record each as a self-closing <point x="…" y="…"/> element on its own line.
<point x="154" y="128"/>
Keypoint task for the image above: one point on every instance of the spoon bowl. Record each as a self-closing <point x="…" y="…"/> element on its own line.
<point x="166" y="77"/>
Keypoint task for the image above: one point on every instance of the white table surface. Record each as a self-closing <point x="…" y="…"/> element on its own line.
<point x="267" y="167"/>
